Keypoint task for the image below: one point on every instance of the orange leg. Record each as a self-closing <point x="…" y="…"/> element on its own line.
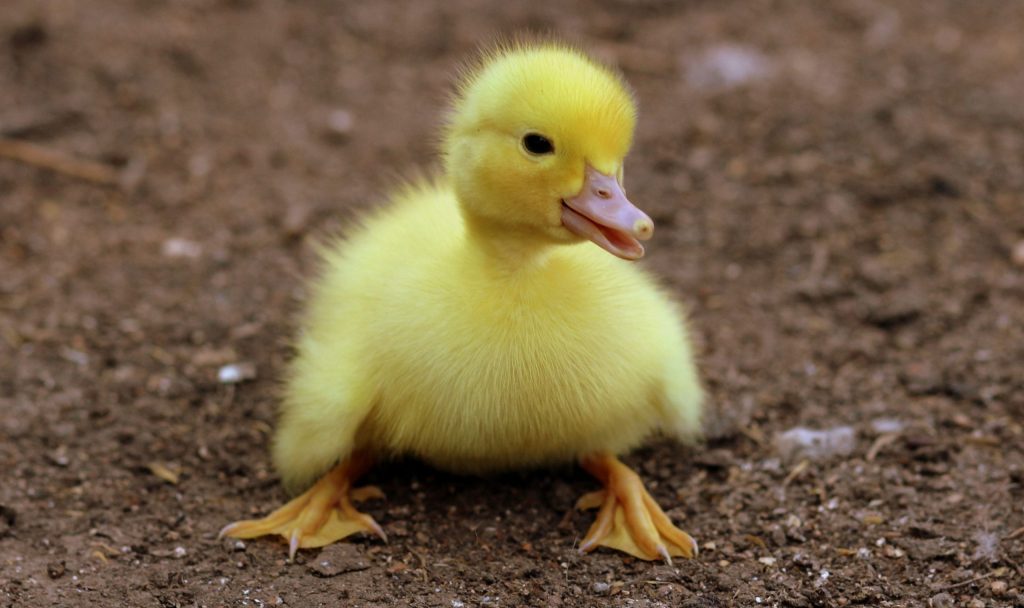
<point x="629" y="520"/>
<point x="322" y="515"/>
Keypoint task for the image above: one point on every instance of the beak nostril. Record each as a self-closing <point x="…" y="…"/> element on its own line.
<point x="602" y="193"/>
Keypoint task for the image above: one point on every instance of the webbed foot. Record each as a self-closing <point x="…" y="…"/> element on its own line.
<point x="320" y="516"/>
<point x="629" y="520"/>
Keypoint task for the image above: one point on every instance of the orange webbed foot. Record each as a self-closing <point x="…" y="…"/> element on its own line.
<point x="320" y="516"/>
<point x="629" y="520"/>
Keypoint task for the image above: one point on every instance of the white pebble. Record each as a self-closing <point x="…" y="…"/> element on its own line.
<point x="802" y="442"/>
<point x="887" y="425"/>
<point x="181" y="248"/>
<point x="236" y="372"/>
<point x="727" y="66"/>
<point x="180" y="552"/>
<point x="339" y="122"/>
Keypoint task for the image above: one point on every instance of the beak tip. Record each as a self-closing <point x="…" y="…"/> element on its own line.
<point x="643" y="229"/>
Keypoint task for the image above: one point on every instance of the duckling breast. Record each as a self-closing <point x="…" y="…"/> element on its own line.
<point x="514" y="374"/>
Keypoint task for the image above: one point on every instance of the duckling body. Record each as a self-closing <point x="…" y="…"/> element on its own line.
<point x="474" y="324"/>
<point x="476" y="365"/>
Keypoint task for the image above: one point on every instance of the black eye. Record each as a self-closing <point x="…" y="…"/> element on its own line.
<point x="535" y="143"/>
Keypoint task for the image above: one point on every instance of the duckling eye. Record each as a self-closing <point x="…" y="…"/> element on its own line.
<point x="535" y="143"/>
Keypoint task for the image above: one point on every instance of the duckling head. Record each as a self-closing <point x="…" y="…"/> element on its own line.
<point x="535" y="146"/>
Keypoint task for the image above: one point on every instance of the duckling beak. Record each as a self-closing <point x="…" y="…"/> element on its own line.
<point x="602" y="213"/>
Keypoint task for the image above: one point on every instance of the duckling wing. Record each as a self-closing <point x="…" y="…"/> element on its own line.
<point x="324" y="404"/>
<point x="682" y="394"/>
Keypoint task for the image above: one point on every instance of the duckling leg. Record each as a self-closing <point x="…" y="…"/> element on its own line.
<point x="322" y="515"/>
<point x="629" y="520"/>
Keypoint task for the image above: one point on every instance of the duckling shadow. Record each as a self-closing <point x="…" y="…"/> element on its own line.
<point x="462" y="515"/>
<point x="535" y="506"/>
<point x="411" y="481"/>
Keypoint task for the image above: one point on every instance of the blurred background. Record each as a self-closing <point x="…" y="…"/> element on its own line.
<point x="839" y="194"/>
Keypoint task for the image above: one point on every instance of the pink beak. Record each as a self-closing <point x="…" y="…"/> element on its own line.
<point x="602" y="213"/>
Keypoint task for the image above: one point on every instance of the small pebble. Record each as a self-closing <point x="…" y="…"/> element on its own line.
<point x="338" y="124"/>
<point x="236" y="372"/>
<point x="59" y="457"/>
<point x="942" y="600"/>
<point x="600" y="588"/>
<point x="887" y="425"/>
<point x="181" y="248"/>
<point x="998" y="587"/>
<point x="296" y="218"/>
<point x="180" y="552"/>
<point x="1018" y="254"/>
<point x="55" y="570"/>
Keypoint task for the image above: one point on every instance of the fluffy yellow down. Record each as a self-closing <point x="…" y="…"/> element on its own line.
<point x="422" y="340"/>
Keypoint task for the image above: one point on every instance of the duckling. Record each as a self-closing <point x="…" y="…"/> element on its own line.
<point x="473" y="323"/>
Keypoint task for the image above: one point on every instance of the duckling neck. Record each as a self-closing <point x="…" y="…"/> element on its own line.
<point x="508" y="248"/>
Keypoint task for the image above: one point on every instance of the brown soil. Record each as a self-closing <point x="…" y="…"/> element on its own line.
<point x="847" y="227"/>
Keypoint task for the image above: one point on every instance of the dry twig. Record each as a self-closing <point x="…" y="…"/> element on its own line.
<point x="58" y="162"/>
<point x="965" y="583"/>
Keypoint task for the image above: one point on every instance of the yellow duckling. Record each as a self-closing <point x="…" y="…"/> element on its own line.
<point x="470" y="324"/>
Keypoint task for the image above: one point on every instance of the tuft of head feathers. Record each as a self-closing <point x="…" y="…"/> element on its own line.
<point x="587" y="108"/>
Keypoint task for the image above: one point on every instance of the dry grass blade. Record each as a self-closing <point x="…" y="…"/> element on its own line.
<point x="161" y="471"/>
<point x="879" y="445"/>
<point x="797" y="470"/>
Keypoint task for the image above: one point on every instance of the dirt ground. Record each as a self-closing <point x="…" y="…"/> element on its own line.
<point x="839" y="192"/>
